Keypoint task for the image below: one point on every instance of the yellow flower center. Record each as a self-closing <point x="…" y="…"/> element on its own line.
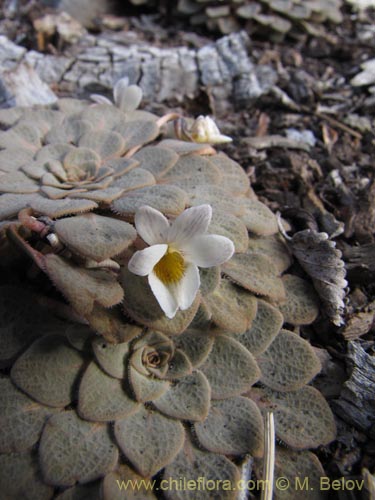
<point x="171" y="267"/>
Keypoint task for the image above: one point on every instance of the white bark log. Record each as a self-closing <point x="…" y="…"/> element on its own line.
<point x="223" y="70"/>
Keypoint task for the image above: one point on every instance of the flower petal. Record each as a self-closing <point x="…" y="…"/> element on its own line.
<point x="151" y="225"/>
<point x="119" y="87"/>
<point x="143" y="261"/>
<point x="187" y="288"/>
<point x="100" y="99"/>
<point x="164" y="295"/>
<point x="204" y="129"/>
<point x="190" y="223"/>
<point x="208" y="250"/>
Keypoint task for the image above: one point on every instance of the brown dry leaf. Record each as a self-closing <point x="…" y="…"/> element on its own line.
<point x="321" y="260"/>
<point x="83" y="287"/>
<point x="359" y="325"/>
<point x="330" y="137"/>
<point x="263" y="124"/>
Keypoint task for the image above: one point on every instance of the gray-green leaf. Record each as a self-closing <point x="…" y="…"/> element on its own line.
<point x="149" y="440"/>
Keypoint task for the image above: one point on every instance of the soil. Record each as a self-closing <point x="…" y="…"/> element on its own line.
<point x="335" y="175"/>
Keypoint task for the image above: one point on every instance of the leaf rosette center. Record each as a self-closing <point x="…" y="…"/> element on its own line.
<point x="152" y="355"/>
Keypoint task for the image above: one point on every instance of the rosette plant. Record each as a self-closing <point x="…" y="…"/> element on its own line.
<point x="273" y="18"/>
<point x="154" y="337"/>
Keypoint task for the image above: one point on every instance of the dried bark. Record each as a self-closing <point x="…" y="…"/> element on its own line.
<point x="357" y="402"/>
<point x="224" y="69"/>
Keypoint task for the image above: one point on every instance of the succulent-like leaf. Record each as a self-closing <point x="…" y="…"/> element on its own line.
<point x="202" y="318"/>
<point x="102" y="398"/>
<point x="183" y="147"/>
<point x="288" y="363"/>
<point x="234" y="178"/>
<point x="22" y="136"/>
<point x="156" y="159"/>
<point x="146" y="387"/>
<point x="121" y="166"/>
<point x="111" y="357"/>
<point x="191" y="170"/>
<point x="137" y="178"/>
<point x="153" y="339"/>
<point x="141" y="305"/>
<point x="74" y="450"/>
<point x="230" y="368"/>
<point x="140" y="115"/>
<point x="104" y="116"/>
<point x="81" y="163"/>
<point x="217" y="196"/>
<point x="127" y="97"/>
<point x="137" y="132"/>
<point x="191" y="464"/>
<point x="90" y="491"/>
<point x="56" y="168"/>
<point x="179" y="366"/>
<point x="17" y="182"/>
<point x="106" y="144"/>
<point x="51" y="182"/>
<point x="234" y="426"/>
<point x="111" y="325"/>
<point x="36" y="169"/>
<point x="102" y="196"/>
<point x="12" y="159"/>
<point x="232" y="308"/>
<point x="137" y="491"/>
<point x="57" y="193"/>
<point x="10" y="116"/>
<point x="210" y="279"/>
<point x="272" y="247"/>
<point x="68" y="132"/>
<point x="83" y="287"/>
<point x="20" y="478"/>
<point x="258" y="218"/>
<point x="255" y="273"/>
<point x="79" y="336"/>
<point x="196" y="345"/>
<point x="48" y="370"/>
<point x="21" y="419"/>
<point x="187" y="399"/>
<point x="230" y="226"/>
<point x="299" y="464"/>
<point x="94" y="236"/>
<point x="303" y="418"/>
<point x="11" y="204"/>
<point x="301" y="306"/>
<point x="71" y="106"/>
<point x="58" y="208"/>
<point x="170" y="200"/>
<point x="43" y="118"/>
<point x="263" y="330"/>
<point x="54" y="152"/>
<point x="22" y="319"/>
<point x="149" y="440"/>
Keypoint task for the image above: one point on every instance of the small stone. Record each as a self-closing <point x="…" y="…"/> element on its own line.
<point x="366" y="76"/>
<point x="304" y="136"/>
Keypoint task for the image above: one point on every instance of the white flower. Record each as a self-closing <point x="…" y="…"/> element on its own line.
<point x="204" y="129"/>
<point x="175" y="252"/>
